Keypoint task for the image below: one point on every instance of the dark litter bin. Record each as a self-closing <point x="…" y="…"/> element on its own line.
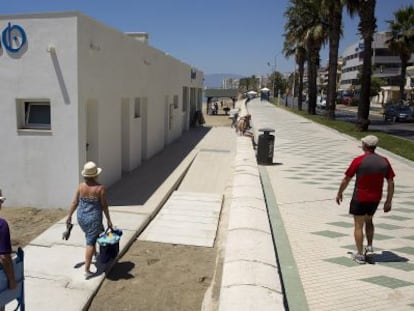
<point x="265" y="146"/>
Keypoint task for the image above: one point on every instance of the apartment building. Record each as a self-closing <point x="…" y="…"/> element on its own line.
<point x="385" y="65"/>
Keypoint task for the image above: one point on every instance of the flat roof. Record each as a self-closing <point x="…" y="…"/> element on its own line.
<point x="221" y="92"/>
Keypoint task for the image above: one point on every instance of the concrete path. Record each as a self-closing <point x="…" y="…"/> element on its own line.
<point x="309" y="163"/>
<point x="187" y="218"/>
<point x="200" y="161"/>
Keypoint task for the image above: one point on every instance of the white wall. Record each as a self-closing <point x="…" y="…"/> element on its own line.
<point x="94" y="68"/>
<point x="37" y="167"/>
<point x="115" y="68"/>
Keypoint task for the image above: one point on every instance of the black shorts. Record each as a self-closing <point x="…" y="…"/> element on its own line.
<point x="363" y="208"/>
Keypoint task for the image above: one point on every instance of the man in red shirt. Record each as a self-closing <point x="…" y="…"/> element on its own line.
<point x="370" y="169"/>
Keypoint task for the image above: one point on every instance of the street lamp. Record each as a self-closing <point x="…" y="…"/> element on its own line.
<point x="274" y="78"/>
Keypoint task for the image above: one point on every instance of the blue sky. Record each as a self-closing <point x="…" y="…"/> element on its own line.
<point x="216" y="36"/>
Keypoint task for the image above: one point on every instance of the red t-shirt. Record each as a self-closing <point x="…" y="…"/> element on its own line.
<point x="370" y="169"/>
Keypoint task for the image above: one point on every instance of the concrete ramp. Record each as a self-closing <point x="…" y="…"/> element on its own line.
<point x="187" y="218"/>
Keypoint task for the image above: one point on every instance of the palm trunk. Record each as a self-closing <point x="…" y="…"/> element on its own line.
<point x="334" y="34"/>
<point x="313" y="64"/>
<point x="296" y="84"/>
<point x="404" y="61"/>
<point x="367" y="27"/>
<point x="364" y="99"/>
<point x="300" y="88"/>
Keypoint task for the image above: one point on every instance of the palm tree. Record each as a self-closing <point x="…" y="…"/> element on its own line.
<point x="366" y="27"/>
<point x="300" y="58"/>
<point x="333" y="12"/>
<point x="294" y="48"/>
<point x="305" y="24"/>
<point x="315" y="37"/>
<point x="402" y="40"/>
<point x="293" y="44"/>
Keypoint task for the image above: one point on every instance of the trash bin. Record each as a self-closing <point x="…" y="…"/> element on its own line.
<point x="265" y="146"/>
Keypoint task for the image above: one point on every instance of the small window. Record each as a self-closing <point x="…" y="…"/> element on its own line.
<point x="37" y="115"/>
<point x="175" y="101"/>
<point x="185" y="98"/>
<point x="34" y="114"/>
<point x="137" y="108"/>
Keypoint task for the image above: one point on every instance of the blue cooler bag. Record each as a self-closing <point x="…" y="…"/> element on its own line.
<point x="109" y="244"/>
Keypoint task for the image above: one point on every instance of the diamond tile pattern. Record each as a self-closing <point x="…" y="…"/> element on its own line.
<point x="405" y="266"/>
<point x="344" y="261"/>
<point x="341" y="224"/>
<point x="407" y="250"/>
<point x="396" y="217"/>
<point x="405" y="210"/>
<point x="329" y="234"/>
<point x="387" y="282"/>
<point x="387" y="226"/>
<point x="379" y="236"/>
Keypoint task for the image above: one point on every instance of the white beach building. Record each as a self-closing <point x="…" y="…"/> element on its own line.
<point x="74" y="90"/>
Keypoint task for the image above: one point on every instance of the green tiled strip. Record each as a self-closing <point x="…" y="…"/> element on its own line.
<point x="387" y="281"/>
<point x="293" y="288"/>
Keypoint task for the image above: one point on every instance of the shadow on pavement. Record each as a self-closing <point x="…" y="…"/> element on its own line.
<point x="387" y="256"/>
<point x="136" y="187"/>
<point x="121" y="271"/>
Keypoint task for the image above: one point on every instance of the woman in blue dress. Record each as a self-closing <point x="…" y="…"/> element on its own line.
<point x="90" y="202"/>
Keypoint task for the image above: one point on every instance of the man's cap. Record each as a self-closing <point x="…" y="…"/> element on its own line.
<point x="370" y="140"/>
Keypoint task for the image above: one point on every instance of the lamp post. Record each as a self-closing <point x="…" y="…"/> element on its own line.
<point x="274" y="79"/>
<point x="274" y="75"/>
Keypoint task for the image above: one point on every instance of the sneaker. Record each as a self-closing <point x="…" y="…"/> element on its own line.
<point x="369" y="254"/>
<point x="358" y="258"/>
<point x="369" y="249"/>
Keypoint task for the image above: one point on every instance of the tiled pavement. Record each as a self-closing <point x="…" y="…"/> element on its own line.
<point x="309" y="162"/>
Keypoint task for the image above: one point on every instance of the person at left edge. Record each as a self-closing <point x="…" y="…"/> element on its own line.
<point x="5" y="251"/>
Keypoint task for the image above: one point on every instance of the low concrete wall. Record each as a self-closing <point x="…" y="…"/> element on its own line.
<point x="250" y="279"/>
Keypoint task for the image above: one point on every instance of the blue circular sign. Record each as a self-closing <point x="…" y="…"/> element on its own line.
<point x="14" y="38"/>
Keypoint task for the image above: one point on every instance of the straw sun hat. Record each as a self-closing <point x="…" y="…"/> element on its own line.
<point x="91" y="170"/>
<point x="2" y="199"/>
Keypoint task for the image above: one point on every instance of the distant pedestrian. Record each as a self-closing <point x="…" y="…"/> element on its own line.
<point x="213" y="108"/>
<point x="5" y="252"/>
<point x="90" y="202"/>
<point x="370" y="169"/>
<point x="234" y="114"/>
<point x="243" y="124"/>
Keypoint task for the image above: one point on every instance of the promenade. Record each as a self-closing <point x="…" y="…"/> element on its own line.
<point x="313" y="235"/>
<point x="309" y="163"/>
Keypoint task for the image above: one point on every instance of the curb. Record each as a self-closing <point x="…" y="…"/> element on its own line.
<point x="249" y="245"/>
